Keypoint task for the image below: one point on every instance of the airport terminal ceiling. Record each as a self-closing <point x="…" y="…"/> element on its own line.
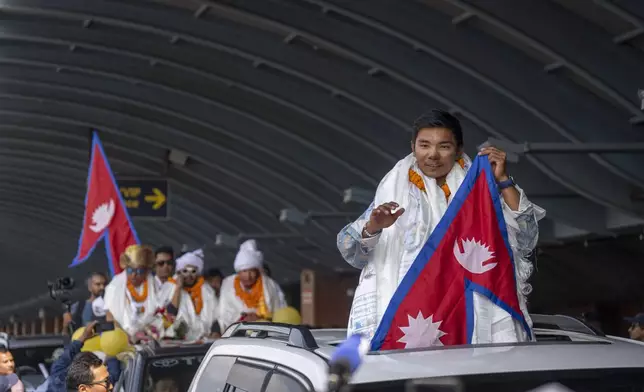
<point x="246" y="108"/>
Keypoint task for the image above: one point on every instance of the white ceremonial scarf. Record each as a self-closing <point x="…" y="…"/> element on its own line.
<point x="125" y="310"/>
<point x="231" y="306"/>
<point x="186" y="312"/>
<point x="399" y="245"/>
<point x="209" y="310"/>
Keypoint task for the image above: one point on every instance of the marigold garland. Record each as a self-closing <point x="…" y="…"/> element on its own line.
<point x="417" y="180"/>
<point x="196" y="294"/>
<point x="253" y="298"/>
<point x="136" y="297"/>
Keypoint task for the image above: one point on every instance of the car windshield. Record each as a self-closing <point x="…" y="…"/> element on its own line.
<point x="171" y="373"/>
<point x="588" y="380"/>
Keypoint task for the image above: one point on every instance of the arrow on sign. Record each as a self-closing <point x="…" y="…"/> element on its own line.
<point x="158" y="198"/>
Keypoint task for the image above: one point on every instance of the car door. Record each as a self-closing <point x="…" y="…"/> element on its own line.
<point x="250" y="375"/>
<point x="283" y="379"/>
<point x="238" y="374"/>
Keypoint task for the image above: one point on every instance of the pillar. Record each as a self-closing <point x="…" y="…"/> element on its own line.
<point x="14" y="325"/>
<point x="42" y="316"/>
<point x="58" y="326"/>
<point x="326" y="299"/>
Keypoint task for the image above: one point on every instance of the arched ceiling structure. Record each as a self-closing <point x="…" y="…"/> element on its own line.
<point x="288" y="103"/>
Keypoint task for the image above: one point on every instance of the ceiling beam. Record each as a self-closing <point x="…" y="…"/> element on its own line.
<point x="567" y="148"/>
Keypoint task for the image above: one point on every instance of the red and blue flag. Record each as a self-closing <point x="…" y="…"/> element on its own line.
<point x="468" y="252"/>
<point x="106" y="215"/>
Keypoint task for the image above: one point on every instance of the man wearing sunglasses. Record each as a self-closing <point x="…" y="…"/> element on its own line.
<point x="202" y="296"/>
<point x="132" y="297"/>
<point x="87" y="373"/>
<point x="164" y="264"/>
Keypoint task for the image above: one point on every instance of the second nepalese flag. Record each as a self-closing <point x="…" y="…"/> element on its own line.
<point x="468" y="252"/>
<point x="106" y="215"/>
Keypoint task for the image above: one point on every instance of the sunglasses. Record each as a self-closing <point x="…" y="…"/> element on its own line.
<point x="189" y="271"/>
<point x="107" y="384"/>
<point x="137" y="271"/>
<point x="162" y="263"/>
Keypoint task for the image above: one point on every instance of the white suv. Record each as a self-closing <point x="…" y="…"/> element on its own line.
<point x="263" y="357"/>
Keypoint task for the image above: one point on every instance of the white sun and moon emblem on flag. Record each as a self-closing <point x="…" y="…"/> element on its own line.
<point x="102" y="216"/>
<point x="423" y="331"/>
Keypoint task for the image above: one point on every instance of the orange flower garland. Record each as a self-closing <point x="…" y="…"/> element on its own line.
<point x="196" y="294"/>
<point x="252" y="298"/>
<point x="135" y="295"/>
<point x="417" y="180"/>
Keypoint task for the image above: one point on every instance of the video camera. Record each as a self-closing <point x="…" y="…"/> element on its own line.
<point x="61" y="289"/>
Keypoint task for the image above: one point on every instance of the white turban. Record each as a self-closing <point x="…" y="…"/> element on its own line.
<point x="194" y="259"/>
<point x="248" y="256"/>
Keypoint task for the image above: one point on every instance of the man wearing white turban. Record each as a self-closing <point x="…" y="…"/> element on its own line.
<point x="248" y="295"/>
<point x="202" y="297"/>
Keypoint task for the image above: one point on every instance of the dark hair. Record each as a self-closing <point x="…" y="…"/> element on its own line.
<point x="80" y="370"/>
<point x="3" y="349"/>
<point x="437" y="118"/>
<point x="164" y="249"/>
<point x="213" y="272"/>
<point x="100" y="274"/>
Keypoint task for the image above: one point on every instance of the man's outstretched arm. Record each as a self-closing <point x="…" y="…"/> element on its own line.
<point x="354" y="248"/>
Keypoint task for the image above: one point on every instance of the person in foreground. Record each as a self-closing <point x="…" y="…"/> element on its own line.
<point x="409" y="204"/>
<point x="9" y="380"/>
<point x="68" y="363"/>
<point x="87" y="373"/>
<point x="248" y="295"/>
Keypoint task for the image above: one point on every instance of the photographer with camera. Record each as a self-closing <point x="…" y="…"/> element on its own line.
<point x="83" y="312"/>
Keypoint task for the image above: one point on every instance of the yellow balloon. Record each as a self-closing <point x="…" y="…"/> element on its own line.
<point x="288" y="315"/>
<point x="77" y="334"/>
<point x="92" y="344"/>
<point x="114" y="342"/>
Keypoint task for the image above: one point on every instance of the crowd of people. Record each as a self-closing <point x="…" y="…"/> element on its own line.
<point x="159" y="296"/>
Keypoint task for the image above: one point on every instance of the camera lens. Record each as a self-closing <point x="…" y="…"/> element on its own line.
<point x="66" y="283"/>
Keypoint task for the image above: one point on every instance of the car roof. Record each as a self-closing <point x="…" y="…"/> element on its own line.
<point x="498" y="358"/>
<point x="558" y="349"/>
<point x="329" y="336"/>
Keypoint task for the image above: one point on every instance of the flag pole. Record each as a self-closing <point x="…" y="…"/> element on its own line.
<point x="90" y="138"/>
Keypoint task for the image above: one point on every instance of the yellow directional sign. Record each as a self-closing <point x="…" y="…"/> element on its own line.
<point x="157" y="197"/>
<point x="145" y="198"/>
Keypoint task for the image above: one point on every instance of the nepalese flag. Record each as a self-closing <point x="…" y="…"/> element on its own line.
<point x="106" y="215"/>
<point x="468" y="252"/>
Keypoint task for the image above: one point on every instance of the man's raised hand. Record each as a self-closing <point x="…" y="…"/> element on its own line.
<point x="382" y="217"/>
<point x="88" y="332"/>
<point x="498" y="160"/>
